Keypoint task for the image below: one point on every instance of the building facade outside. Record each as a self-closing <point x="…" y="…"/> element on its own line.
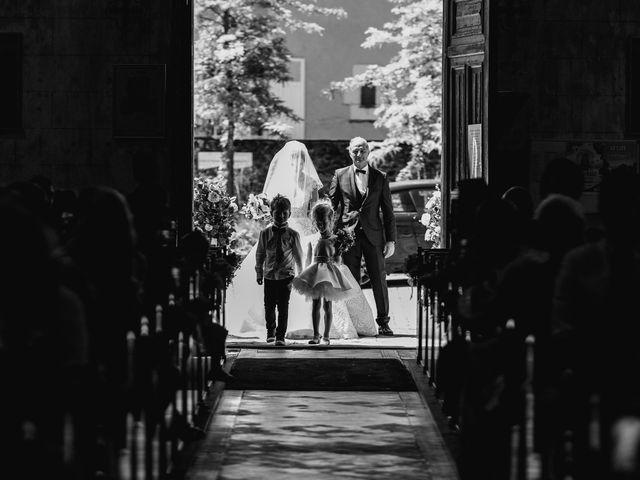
<point x="338" y="53"/>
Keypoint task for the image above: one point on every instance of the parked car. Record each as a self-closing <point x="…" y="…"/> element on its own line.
<point x="409" y="198"/>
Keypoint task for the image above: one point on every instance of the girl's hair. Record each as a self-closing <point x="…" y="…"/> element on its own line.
<point x="322" y="210"/>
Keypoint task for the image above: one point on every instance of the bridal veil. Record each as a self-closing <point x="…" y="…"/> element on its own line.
<point x="292" y="174"/>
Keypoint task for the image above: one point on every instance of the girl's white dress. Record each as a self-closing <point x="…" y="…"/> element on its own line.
<point x="326" y="277"/>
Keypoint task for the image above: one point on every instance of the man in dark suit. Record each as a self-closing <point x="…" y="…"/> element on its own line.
<point x="360" y="194"/>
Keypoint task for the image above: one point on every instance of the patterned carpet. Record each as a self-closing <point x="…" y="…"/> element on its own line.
<point x="323" y="436"/>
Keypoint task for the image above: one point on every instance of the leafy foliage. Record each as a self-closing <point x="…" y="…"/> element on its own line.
<point x="410" y="84"/>
<point x="225" y="266"/>
<point x="240" y="51"/>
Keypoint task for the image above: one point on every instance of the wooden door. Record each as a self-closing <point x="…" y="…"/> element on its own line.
<point x="465" y="97"/>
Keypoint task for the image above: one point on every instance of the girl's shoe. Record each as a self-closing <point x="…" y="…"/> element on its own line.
<point x="315" y="340"/>
<point x="325" y="341"/>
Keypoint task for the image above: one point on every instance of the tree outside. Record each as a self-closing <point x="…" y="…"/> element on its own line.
<point x="409" y="86"/>
<point x="240" y="51"/>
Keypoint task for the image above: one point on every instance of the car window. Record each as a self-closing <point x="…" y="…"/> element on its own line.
<point x="402" y="202"/>
<point x="420" y="198"/>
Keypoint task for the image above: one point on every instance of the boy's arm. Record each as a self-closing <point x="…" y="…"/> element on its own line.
<point x="297" y="250"/>
<point x="261" y="255"/>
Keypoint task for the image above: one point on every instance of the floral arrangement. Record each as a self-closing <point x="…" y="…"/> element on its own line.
<point x="344" y="240"/>
<point x="431" y="218"/>
<point x="225" y="266"/>
<point x="257" y="207"/>
<point x="214" y="210"/>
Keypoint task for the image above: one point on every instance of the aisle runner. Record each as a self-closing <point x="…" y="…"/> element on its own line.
<point x="320" y="374"/>
<point x="323" y="435"/>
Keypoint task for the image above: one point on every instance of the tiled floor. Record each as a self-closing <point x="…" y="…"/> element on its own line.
<point x="257" y="434"/>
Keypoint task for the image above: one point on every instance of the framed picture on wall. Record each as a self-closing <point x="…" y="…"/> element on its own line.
<point x="11" y="84"/>
<point x="139" y="93"/>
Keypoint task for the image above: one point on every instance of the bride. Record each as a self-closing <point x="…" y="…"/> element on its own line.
<point x="292" y="174"/>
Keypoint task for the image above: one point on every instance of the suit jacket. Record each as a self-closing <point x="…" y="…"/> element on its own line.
<point x="353" y="209"/>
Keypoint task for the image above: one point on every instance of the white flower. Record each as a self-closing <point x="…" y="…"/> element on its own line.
<point x="425" y="219"/>
<point x="208" y="227"/>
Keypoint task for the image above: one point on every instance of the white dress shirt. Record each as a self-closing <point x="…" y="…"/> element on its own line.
<point x="362" y="181"/>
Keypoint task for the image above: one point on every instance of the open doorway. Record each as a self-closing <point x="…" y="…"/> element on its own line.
<point x="264" y="76"/>
<point x="320" y="80"/>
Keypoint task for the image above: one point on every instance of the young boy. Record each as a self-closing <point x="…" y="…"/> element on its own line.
<point x="278" y="257"/>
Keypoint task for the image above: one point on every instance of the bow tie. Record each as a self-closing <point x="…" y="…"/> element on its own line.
<point x="278" y="229"/>
<point x="358" y="170"/>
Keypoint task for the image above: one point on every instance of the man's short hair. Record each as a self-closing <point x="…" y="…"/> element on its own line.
<point x="359" y="140"/>
<point x="280" y="202"/>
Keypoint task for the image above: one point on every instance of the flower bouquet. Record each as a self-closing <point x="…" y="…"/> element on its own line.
<point x="344" y="240"/>
<point x="431" y="218"/>
<point x="213" y="210"/>
<point x="257" y="208"/>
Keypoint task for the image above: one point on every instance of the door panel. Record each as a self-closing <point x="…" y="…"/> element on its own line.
<point x="465" y="92"/>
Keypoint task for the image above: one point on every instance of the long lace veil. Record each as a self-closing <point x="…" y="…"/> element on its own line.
<point x="292" y="174"/>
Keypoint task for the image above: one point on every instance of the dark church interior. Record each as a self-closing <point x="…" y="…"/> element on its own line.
<point x="113" y="350"/>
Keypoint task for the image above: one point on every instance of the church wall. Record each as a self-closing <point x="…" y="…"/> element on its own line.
<point x="559" y="79"/>
<point x="70" y="48"/>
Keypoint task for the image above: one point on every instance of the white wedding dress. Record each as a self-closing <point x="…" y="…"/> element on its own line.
<point x="292" y="174"/>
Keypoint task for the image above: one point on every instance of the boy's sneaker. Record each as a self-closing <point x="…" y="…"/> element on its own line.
<point x="280" y="343"/>
<point x="271" y="338"/>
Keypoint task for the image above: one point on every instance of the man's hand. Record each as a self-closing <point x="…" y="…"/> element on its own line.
<point x="389" y="248"/>
<point x="259" y="280"/>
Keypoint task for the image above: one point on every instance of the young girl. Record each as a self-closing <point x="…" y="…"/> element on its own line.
<point x="325" y="279"/>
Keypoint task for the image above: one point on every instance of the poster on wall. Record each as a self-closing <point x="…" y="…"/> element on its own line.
<point x="595" y="158"/>
<point x="474" y="147"/>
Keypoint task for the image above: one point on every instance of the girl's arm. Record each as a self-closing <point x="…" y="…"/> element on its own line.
<point x="309" y="254"/>
<point x="337" y="255"/>
<point x="297" y="251"/>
